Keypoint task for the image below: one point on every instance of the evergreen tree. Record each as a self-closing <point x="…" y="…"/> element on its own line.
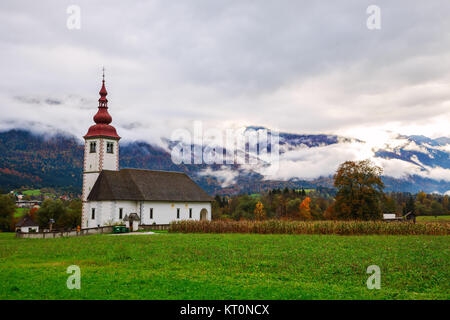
<point x="410" y="205"/>
<point x="7" y="208"/>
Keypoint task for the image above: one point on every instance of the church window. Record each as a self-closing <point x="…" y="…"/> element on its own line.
<point x="93" y="147"/>
<point x="190" y="213"/>
<point x="151" y="213"/>
<point x="109" y="147"/>
<point x="120" y="213"/>
<point x="178" y="213"/>
<point x="93" y="214"/>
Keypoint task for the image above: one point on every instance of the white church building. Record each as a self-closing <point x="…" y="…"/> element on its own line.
<point x="134" y="197"/>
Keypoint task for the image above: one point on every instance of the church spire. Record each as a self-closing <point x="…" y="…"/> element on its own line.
<point x="102" y="118"/>
<point x="103" y="102"/>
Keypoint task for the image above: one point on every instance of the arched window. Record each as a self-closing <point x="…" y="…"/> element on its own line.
<point x="203" y="214"/>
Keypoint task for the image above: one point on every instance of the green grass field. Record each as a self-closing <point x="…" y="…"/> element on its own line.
<point x="35" y="192"/>
<point x="433" y="218"/>
<point x="225" y="266"/>
<point x="19" y="212"/>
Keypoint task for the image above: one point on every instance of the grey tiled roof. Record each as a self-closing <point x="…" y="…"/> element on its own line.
<point x="27" y="221"/>
<point x="146" y="185"/>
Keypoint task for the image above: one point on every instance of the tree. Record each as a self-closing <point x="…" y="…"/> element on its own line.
<point x="410" y="205"/>
<point x="446" y="203"/>
<point x="360" y="190"/>
<point x="50" y="209"/>
<point x="7" y="208"/>
<point x="72" y="218"/>
<point x="421" y="197"/>
<point x="245" y="208"/>
<point x="389" y="205"/>
<point x="436" y="208"/>
<point x="292" y="207"/>
<point x="304" y="209"/>
<point x="260" y="213"/>
<point x="330" y="213"/>
<point x="33" y="213"/>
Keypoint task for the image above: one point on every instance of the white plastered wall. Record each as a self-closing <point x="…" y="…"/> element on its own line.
<point x="107" y="212"/>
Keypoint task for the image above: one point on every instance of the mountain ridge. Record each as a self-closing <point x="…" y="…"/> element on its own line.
<point x="33" y="160"/>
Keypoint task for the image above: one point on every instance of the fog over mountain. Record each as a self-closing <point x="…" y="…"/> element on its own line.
<point x="411" y="163"/>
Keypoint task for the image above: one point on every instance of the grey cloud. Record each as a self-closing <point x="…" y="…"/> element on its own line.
<point x="296" y="66"/>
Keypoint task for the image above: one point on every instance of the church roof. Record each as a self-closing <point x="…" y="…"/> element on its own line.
<point x="146" y="185"/>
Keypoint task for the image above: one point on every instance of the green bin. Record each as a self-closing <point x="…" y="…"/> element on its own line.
<point x="117" y="229"/>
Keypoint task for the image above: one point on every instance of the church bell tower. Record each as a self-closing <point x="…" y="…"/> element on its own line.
<point x="101" y="150"/>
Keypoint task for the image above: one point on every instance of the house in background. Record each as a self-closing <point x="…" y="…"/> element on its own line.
<point x="27" y="203"/>
<point x="132" y="196"/>
<point x="393" y="217"/>
<point x="27" y="224"/>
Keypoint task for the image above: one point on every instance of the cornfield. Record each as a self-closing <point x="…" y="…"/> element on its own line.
<point x="311" y="227"/>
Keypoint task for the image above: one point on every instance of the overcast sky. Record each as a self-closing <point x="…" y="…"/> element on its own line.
<point x="297" y="66"/>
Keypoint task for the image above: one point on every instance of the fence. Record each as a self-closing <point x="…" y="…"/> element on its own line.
<point x="154" y="227"/>
<point x="60" y="234"/>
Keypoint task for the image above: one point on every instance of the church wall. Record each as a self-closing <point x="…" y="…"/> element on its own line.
<point x="89" y="181"/>
<point x="127" y="206"/>
<point x="107" y="212"/>
<point x="166" y="212"/>
<point x="92" y="159"/>
<point x="110" y="160"/>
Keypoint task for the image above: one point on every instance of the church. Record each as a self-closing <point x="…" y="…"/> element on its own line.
<point x="134" y="197"/>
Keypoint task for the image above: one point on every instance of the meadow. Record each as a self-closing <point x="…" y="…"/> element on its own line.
<point x="19" y="212"/>
<point x="34" y="192"/>
<point x="433" y="218"/>
<point x="225" y="266"/>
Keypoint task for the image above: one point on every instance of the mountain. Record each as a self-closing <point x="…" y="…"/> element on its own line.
<point x="35" y="161"/>
<point x="31" y="160"/>
<point x="420" y="151"/>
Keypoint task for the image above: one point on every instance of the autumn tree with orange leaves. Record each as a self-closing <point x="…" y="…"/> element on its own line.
<point x="360" y="191"/>
<point x="304" y="209"/>
<point x="260" y="213"/>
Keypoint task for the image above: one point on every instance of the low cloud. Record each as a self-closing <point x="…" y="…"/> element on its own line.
<point x="311" y="163"/>
<point x="224" y="175"/>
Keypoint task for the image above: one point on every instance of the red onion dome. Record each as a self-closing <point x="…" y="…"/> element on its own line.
<point x="102" y="118"/>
